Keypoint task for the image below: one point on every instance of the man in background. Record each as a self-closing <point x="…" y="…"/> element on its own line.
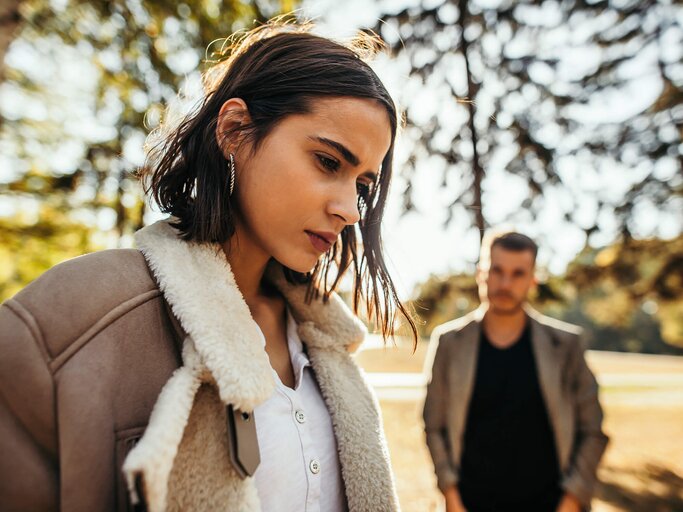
<point x="512" y="417"/>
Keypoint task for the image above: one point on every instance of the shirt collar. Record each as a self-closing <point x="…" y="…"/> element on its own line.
<point x="296" y="350"/>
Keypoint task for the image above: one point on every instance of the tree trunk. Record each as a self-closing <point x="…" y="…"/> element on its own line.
<point x="477" y="170"/>
<point x="9" y="22"/>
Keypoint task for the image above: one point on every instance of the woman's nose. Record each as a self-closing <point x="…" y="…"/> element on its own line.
<point x="345" y="204"/>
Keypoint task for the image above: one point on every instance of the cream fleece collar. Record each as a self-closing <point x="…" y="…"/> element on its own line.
<point x="223" y="346"/>
<point x="197" y="282"/>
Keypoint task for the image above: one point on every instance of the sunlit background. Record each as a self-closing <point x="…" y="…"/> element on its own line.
<point x="562" y="119"/>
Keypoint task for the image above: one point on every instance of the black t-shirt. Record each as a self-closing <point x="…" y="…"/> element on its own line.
<point x="509" y="460"/>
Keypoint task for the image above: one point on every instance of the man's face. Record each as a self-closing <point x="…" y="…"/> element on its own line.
<point x="506" y="283"/>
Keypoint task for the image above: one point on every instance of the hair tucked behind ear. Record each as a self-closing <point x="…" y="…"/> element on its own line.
<point x="278" y="69"/>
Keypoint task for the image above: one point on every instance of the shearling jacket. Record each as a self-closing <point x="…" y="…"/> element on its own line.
<point x="115" y="374"/>
<point x="568" y="387"/>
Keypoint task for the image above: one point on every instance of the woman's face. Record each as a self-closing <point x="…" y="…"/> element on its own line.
<point x="300" y="188"/>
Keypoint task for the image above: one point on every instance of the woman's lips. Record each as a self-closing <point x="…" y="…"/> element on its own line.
<point x="319" y="242"/>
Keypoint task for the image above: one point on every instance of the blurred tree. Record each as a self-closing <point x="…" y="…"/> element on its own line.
<point x="547" y="96"/>
<point x="9" y="22"/>
<point x="84" y="81"/>
<point x="28" y="248"/>
<point x="618" y="281"/>
<point x="444" y="298"/>
<point x="628" y="297"/>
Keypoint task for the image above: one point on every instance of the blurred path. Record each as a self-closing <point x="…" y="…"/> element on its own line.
<point x="642" y="395"/>
<point x="624" y="379"/>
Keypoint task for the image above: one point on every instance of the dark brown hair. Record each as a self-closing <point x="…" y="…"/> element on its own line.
<point x="278" y="69"/>
<point x="508" y="240"/>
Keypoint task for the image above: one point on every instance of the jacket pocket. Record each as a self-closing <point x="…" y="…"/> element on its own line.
<point x="125" y="441"/>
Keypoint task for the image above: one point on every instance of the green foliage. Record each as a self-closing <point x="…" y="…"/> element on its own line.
<point x="547" y="96"/>
<point x="73" y="142"/>
<point x="631" y="276"/>
<point x="443" y="298"/>
<point x="628" y="297"/>
<point x="140" y="54"/>
<point x="517" y="96"/>
<point x="28" y="248"/>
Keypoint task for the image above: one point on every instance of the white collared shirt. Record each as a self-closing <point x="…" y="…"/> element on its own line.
<point x="299" y="469"/>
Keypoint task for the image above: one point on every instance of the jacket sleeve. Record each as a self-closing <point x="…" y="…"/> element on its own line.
<point x="434" y="413"/>
<point x="28" y="465"/>
<point x="590" y="441"/>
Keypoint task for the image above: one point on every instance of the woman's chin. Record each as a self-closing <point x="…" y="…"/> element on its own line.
<point x="301" y="264"/>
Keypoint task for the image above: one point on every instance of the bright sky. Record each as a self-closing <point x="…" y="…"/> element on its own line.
<point x="417" y="244"/>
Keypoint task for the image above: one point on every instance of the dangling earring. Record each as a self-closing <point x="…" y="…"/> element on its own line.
<point x="231" y="170"/>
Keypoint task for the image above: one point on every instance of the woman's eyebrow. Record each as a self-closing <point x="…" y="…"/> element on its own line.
<point x="343" y="150"/>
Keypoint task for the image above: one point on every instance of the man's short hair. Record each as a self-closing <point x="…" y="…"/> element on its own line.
<point x="508" y="240"/>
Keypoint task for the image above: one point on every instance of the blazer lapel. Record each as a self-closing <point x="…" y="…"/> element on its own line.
<point x="549" y="368"/>
<point x="464" y="369"/>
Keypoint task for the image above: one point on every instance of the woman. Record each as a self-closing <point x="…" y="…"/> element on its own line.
<point x="210" y="370"/>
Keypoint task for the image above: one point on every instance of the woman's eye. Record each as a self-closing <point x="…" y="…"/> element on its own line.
<point x="328" y="163"/>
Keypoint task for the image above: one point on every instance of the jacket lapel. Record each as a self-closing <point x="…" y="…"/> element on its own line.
<point x="328" y="330"/>
<point x="199" y="286"/>
<point x="223" y="338"/>
<point x="548" y="358"/>
<point x="464" y="362"/>
<point x="549" y="367"/>
<point x="363" y="454"/>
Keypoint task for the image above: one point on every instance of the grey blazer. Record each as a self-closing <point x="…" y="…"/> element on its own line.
<point x="568" y="387"/>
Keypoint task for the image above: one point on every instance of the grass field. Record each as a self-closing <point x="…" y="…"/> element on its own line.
<point x="642" y="470"/>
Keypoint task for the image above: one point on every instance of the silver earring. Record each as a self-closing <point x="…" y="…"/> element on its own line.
<point x="231" y="169"/>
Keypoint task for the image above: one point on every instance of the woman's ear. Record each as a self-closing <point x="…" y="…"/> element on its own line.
<point x="232" y="116"/>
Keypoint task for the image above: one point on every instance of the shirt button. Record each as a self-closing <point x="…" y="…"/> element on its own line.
<point x="314" y="466"/>
<point x="300" y="416"/>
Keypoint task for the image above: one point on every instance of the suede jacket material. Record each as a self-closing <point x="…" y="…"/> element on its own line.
<point x="115" y="374"/>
